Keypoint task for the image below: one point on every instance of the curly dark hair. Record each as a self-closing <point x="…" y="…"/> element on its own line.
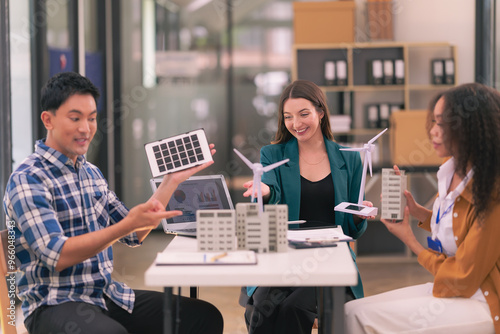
<point x="306" y="90"/>
<point x="471" y="126"/>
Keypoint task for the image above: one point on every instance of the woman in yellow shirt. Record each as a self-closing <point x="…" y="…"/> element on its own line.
<point x="463" y="250"/>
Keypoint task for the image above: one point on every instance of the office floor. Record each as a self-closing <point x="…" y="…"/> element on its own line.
<point x="379" y="276"/>
<point x="131" y="263"/>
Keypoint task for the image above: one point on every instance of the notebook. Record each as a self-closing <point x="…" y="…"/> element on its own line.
<point x="198" y="192"/>
<point x="202" y="258"/>
<point x="178" y="152"/>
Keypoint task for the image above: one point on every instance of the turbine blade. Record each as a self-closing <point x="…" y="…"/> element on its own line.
<point x="245" y="160"/>
<point x="375" y="138"/>
<point x="274" y="165"/>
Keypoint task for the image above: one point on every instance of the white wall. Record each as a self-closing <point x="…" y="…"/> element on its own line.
<point x="450" y="21"/>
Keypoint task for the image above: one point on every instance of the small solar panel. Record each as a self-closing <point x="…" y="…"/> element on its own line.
<point x="178" y="152"/>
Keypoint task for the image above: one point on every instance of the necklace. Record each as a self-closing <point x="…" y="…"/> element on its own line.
<point x="315" y="163"/>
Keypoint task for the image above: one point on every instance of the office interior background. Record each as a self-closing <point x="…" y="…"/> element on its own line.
<point x="170" y="66"/>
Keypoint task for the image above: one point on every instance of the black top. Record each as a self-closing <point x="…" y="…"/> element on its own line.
<point x="317" y="202"/>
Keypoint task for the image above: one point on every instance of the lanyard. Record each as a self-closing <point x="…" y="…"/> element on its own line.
<point x="438" y="219"/>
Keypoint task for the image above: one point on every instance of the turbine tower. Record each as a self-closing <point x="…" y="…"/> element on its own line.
<point x="258" y="170"/>
<point x="359" y="208"/>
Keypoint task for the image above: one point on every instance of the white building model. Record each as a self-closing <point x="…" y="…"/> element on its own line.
<point x="393" y="198"/>
<point x="215" y="230"/>
<point x="278" y="227"/>
<point x="262" y="233"/>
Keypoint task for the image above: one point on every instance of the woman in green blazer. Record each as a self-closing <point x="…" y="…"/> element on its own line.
<point x="317" y="178"/>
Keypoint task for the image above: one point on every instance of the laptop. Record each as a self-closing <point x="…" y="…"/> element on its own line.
<point x="198" y="192"/>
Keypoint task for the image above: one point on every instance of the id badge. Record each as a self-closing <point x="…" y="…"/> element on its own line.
<point x="434" y="245"/>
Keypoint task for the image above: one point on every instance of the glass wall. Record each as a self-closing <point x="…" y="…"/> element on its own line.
<point x="176" y="61"/>
<point x="20" y="30"/>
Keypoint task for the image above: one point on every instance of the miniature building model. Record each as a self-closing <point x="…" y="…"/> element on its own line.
<point x="278" y="227"/>
<point x="262" y="233"/>
<point x="255" y="228"/>
<point x="215" y="230"/>
<point x="393" y="199"/>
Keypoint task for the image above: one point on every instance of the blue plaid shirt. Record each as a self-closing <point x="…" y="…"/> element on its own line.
<point x="50" y="199"/>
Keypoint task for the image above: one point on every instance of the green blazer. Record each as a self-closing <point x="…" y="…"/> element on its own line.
<point x="284" y="182"/>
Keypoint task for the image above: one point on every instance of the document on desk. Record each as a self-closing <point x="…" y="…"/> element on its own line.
<point x="330" y="234"/>
<point x="206" y="258"/>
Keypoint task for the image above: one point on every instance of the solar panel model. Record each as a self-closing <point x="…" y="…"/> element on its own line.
<point x="393" y="198"/>
<point x="178" y="152"/>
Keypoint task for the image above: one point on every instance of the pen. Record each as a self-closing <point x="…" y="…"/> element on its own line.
<point x="218" y="257"/>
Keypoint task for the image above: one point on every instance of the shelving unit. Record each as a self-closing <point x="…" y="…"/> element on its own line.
<point x="415" y="93"/>
<point x="308" y="63"/>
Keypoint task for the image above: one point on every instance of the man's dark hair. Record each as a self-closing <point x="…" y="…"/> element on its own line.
<point x="63" y="85"/>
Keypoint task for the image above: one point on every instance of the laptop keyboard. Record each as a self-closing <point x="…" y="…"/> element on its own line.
<point x="188" y="230"/>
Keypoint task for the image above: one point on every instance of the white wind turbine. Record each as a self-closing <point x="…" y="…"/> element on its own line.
<point x="359" y="208"/>
<point x="258" y="170"/>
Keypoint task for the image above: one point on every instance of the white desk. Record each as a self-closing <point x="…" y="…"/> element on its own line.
<point x="331" y="268"/>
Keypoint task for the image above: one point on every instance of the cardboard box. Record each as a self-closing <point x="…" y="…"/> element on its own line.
<point x="324" y="22"/>
<point x="410" y="144"/>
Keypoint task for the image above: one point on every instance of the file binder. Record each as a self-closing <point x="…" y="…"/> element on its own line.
<point x="388" y="72"/>
<point x="372" y="114"/>
<point x="399" y="71"/>
<point x="341" y="67"/>
<point x="437" y="71"/>
<point x="330" y="78"/>
<point x="376" y="72"/>
<point x="384" y="113"/>
<point x="449" y="71"/>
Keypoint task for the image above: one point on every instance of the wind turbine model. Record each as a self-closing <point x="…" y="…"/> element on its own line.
<point x="258" y="170"/>
<point x="359" y="208"/>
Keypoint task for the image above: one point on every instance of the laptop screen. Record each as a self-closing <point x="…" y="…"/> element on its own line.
<point x="198" y="192"/>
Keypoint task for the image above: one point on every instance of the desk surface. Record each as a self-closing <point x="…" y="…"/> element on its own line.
<point x="331" y="266"/>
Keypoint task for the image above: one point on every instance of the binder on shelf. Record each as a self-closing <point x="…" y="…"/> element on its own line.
<point x="437" y="71"/>
<point x="376" y="72"/>
<point x="399" y="71"/>
<point x="372" y="116"/>
<point x="384" y="113"/>
<point x="341" y="67"/>
<point x="449" y="71"/>
<point x="330" y="77"/>
<point x="388" y="72"/>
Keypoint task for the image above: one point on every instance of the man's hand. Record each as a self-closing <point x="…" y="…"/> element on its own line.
<point x="181" y="176"/>
<point x="171" y="181"/>
<point x="148" y="215"/>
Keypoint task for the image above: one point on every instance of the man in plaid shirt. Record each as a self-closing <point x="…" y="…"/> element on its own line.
<point x="66" y="221"/>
